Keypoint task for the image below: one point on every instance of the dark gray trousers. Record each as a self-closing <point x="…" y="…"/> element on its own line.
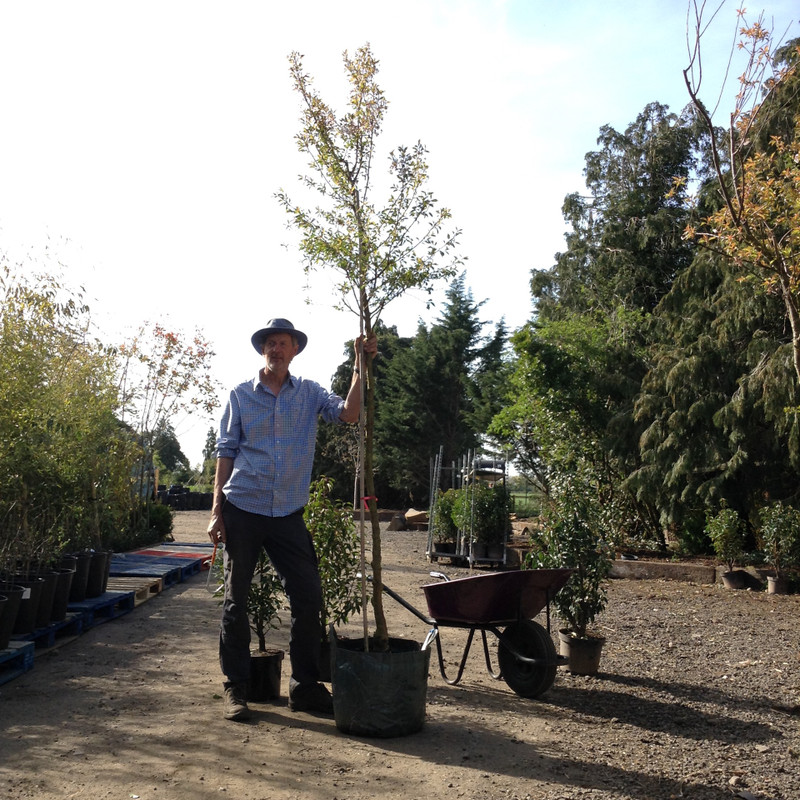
<point x="290" y="549"/>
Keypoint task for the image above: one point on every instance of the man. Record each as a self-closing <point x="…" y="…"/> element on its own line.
<point x="265" y="451"/>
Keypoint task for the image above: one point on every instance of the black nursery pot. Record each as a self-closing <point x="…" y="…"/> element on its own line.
<point x="8" y="619"/>
<point x="98" y="573"/>
<point x="44" y="611"/>
<point x="29" y="606"/>
<point x="77" y="592"/>
<point x="58" y="613"/>
<point x="265" y="675"/>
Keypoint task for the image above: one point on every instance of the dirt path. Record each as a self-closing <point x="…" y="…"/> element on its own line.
<point x="697" y="698"/>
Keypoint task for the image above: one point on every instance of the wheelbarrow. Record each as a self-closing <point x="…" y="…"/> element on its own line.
<point x="502" y="603"/>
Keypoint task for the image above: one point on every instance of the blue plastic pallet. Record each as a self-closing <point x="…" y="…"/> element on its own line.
<point x="72" y="625"/>
<point x="15" y="660"/>
<point x="182" y="545"/>
<point x="101" y="609"/>
<point x="143" y="567"/>
<point x="187" y="566"/>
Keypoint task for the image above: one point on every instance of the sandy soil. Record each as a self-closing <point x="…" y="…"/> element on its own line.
<point x="697" y="698"/>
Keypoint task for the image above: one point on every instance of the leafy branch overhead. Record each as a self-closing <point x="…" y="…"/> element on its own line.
<point x="379" y="252"/>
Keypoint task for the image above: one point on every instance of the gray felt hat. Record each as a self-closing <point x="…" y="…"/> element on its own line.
<point x="278" y="325"/>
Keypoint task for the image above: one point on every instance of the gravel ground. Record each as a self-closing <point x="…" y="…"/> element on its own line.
<point x="697" y="698"/>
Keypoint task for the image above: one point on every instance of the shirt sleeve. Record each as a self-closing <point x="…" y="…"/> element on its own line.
<point x="230" y="429"/>
<point x="330" y="406"/>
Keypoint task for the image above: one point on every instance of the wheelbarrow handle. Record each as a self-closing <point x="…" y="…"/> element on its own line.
<point x="403" y="602"/>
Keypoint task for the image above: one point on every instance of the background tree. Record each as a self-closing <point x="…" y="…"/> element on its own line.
<point x="581" y="362"/>
<point x="168" y="449"/>
<point x="440" y="391"/>
<point x="206" y="481"/>
<point x="162" y="374"/>
<point x="757" y="167"/>
<point x="338" y="445"/>
<point x="376" y="253"/>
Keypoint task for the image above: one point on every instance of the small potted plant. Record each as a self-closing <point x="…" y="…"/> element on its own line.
<point x="443" y="529"/>
<point x="571" y="537"/>
<point x="264" y="602"/>
<point x="726" y="531"/>
<point x="779" y="534"/>
<point x="481" y="511"/>
<point x="495" y="521"/>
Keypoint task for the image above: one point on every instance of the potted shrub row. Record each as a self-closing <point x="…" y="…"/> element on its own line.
<point x="777" y="533"/>
<point x="475" y="515"/>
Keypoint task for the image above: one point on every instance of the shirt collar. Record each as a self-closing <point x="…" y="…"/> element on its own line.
<point x="257" y="382"/>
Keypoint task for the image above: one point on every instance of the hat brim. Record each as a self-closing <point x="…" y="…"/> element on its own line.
<point x="257" y="339"/>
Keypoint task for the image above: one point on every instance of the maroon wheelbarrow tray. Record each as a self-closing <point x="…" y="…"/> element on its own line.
<point x="504" y="604"/>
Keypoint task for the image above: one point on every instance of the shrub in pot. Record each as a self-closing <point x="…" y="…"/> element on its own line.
<point x="481" y="511"/>
<point x="264" y="600"/>
<point x="779" y="535"/>
<point x="443" y="528"/>
<point x="726" y="531"/>
<point x="571" y="537"/>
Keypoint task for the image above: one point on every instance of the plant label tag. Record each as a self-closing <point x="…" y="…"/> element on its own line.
<point x="26" y="593"/>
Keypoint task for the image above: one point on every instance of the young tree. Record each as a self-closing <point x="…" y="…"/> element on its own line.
<point x="162" y="374"/>
<point x="376" y="252"/>
<point x="337" y="454"/>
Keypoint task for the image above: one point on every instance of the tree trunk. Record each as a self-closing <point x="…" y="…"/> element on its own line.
<point x="790" y="303"/>
<point x="381" y="636"/>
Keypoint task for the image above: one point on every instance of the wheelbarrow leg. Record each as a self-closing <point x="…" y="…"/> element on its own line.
<point x="442" y="669"/>
<point x="496" y="675"/>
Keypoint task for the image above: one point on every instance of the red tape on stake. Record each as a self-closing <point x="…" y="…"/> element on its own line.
<point x="365" y="499"/>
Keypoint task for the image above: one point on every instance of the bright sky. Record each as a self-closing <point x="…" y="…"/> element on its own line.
<point x="143" y="143"/>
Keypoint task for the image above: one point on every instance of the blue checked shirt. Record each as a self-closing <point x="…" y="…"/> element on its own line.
<point x="271" y="440"/>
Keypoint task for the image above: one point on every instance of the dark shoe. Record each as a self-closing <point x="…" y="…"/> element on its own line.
<point x="313" y="697"/>
<point x="235" y="702"/>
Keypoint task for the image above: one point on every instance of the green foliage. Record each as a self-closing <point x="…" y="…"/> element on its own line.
<point x="132" y="537"/>
<point x="378" y="253"/>
<point x="161" y="518"/>
<point x="441" y="389"/>
<point x="779" y="535"/>
<point x="65" y="460"/>
<point x="443" y="526"/>
<point x="264" y="600"/>
<point x="571" y="536"/>
<point x="482" y="511"/>
<point x="727" y="534"/>
<point x="526" y="506"/>
<point x="337" y="545"/>
<point x="167" y="449"/>
<point x="713" y="406"/>
<point x="338" y="445"/>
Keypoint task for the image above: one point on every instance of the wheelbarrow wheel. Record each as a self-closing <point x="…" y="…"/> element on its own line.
<point x="531" y="640"/>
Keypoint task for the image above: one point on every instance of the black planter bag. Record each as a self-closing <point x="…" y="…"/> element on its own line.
<point x="379" y="694"/>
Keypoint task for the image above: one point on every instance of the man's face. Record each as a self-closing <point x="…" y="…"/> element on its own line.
<point x="279" y="350"/>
